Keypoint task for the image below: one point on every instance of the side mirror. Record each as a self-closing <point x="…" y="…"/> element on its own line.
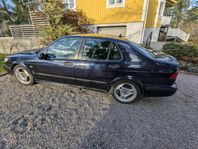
<point x="42" y="56"/>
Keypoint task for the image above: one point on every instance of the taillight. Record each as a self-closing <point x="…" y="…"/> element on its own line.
<point x="174" y="75"/>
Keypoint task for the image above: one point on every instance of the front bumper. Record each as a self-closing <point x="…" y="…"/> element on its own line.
<point x="8" y="68"/>
<point x="160" y="91"/>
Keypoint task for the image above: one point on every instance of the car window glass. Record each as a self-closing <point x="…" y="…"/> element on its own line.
<point x="65" y="48"/>
<point x="96" y="49"/>
<point x="144" y="51"/>
<point x="132" y="56"/>
<point x="115" y="53"/>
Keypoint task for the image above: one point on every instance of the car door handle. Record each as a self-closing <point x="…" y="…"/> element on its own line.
<point x="68" y="64"/>
<point x="82" y="66"/>
<point x="114" y="66"/>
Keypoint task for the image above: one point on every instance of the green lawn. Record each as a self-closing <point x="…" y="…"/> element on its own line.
<point x="2" y="56"/>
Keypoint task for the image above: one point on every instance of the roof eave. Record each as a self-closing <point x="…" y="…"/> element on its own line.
<point x="172" y="2"/>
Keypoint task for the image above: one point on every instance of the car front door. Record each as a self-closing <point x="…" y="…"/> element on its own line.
<point x="57" y="61"/>
<point x="99" y="62"/>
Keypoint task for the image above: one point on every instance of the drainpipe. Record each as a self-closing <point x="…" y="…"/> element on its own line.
<point x="144" y="21"/>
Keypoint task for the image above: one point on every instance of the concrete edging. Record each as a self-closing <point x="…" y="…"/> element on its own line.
<point x="3" y="74"/>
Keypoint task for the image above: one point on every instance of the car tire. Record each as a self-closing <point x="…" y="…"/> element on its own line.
<point x="23" y="75"/>
<point x="126" y="91"/>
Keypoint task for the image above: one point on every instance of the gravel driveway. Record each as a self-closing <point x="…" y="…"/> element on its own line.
<point x="60" y="116"/>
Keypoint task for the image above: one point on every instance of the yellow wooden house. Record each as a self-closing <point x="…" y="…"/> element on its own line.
<point x="135" y="19"/>
<point x="138" y="20"/>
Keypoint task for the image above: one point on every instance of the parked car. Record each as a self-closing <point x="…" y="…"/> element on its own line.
<point x="125" y="69"/>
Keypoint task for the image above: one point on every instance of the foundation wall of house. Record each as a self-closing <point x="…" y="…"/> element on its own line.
<point x="132" y="31"/>
<point x="10" y="45"/>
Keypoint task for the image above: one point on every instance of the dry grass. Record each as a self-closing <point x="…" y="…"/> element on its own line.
<point x="191" y="28"/>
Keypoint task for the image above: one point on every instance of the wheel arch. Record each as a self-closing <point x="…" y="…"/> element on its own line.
<point x="18" y="64"/>
<point x="127" y="78"/>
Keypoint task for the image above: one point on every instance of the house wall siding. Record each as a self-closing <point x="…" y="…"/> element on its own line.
<point x="98" y="13"/>
<point x="152" y="13"/>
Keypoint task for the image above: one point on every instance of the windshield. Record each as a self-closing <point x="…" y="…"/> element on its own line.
<point x="146" y="52"/>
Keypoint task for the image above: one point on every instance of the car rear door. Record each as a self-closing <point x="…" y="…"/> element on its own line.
<point x="98" y="63"/>
<point x="59" y="62"/>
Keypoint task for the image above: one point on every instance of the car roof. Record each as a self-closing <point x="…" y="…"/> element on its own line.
<point x="99" y="36"/>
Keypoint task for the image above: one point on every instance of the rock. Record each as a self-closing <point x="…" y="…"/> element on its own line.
<point x="193" y="69"/>
<point x="183" y="65"/>
<point x="189" y="65"/>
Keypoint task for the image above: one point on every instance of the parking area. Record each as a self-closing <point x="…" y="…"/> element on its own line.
<point x="60" y="116"/>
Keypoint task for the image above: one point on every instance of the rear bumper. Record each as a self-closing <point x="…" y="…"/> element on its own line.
<point x="160" y="91"/>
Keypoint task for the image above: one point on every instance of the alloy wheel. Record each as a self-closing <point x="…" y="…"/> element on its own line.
<point x="125" y="92"/>
<point x="22" y="75"/>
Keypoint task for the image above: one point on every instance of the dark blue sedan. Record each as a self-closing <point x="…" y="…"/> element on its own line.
<point x="126" y="70"/>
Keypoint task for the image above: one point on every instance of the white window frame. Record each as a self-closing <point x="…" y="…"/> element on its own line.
<point x="68" y="2"/>
<point x="161" y="8"/>
<point x="116" y="5"/>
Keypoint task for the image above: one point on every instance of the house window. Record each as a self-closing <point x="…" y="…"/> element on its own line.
<point x="69" y="4"/>
<point x="161" y="9"/>
<point x="115" y="3"/>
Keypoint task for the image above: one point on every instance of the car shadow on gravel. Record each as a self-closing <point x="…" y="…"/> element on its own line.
<point x="149" y="123"/>
<point x="165" y="122"/>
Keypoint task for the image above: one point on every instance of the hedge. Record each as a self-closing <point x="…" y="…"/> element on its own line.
<point x="185" y="52"/>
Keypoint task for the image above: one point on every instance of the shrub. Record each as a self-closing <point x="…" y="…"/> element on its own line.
<point x="54" y="10"/>
<point x="76" y="19"/>
<point x="62" y="21"/>
<point x="2" y="56"/>
<point x="51" y="33"/>
<point x="187" y="53"/>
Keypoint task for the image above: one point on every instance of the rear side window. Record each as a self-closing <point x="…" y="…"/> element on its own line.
<point x="144" y="51"/>
<point x="99" y="49"/>
<point x="129" y="53"/>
